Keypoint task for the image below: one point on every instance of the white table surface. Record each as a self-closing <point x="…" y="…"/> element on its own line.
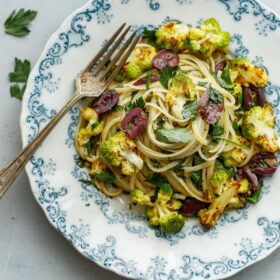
<point x="30" y="248"/>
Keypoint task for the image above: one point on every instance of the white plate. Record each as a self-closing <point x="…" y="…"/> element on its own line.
<point x="104" y="230"/>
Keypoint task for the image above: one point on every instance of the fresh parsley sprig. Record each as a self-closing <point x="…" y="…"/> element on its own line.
<point x="17" y="22"/>
<point x="139" y="102"/>
<point x="20" y="75"/>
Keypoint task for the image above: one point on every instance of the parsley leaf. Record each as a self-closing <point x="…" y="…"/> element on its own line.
<point x="166" y="74"/>
<point x="138" y="103"/>
<point x="256" y="195"/>
<point x="86" y="181"/>
<point x="189" y="113"/>
<point x="89" y="144"/>
<point x="107" y="176"/>
<point x="226" y="74"/>
<point x="16" y="23"/>
<point x="202" y="84"/>
<point x="215" y="96"/>
<point x="228" y="140"/>
<point x="160" y="181"/>
<point x="174" y="135"/>
<point x="148" y="80"/>
<point x="117" y="108"/>
<point x="16" y="91"/>
<point x="217" y="130"/>
<point x="21" y="71"/>
<point x="221" y="81"/>
<point x="150" y="35"/>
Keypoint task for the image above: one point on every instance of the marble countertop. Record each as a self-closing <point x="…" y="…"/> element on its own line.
<point x="30" y="248"/>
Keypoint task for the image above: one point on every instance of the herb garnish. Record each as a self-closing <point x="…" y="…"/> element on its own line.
<point x="174" y="135"/>
<point x="160" y="181"/>
<point x="190" y="109"/>
<point x="166" y="74"/>
<point x="20" y="75"/>
<point x="256" y="196"/>
<point x="107" y="176"/>
<point x="16" y="23"/>
<point x="94" y="125"/>
<point x="117" y="108"/>
<point x="138" y="103"/>
<point x="221" y="81"/>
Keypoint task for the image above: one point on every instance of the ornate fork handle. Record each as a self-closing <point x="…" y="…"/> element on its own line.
<point x="11" y="171"/>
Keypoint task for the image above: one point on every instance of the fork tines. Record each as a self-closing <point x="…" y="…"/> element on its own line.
<point x="122" y="54"/>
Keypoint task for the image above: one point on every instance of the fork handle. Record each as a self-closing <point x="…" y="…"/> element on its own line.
<point x="9" y="173"/>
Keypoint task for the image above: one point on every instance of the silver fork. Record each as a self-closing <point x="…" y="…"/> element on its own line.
<point x="88" y="84"/>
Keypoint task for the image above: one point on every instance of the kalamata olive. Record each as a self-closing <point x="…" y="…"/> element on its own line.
<point x="164" y="58"/>
<point x="134" y="122"/>
<point x="106" y="102"/>
<point x="248" y="98"/>
<point x="143" y="80"/>
<point x="220" y="66"/>
<point x="264" y="163"/>
<point x="251" y="177"/>
<point x="209" y="110"/>
<point x="260" y="94"/>
<point x="192" y="206"/>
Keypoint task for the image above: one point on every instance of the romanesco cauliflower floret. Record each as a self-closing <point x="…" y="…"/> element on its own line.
<point x="98" y="166"/>
<point x="208" y="38"/>
<point x="164" y="196"/>
<point x="208" y="217"/>
<point x="218" y="180"/>
<point x="139" y="61"/>
<point x="172" y="36"/>
<point x="169" y="221"/>
<point x="244" y="73"/>
<point x="139" y="197"/>
<point x="93" y="128"/>
<point x="237" y="154"/>
<point x="237" y="202"/>
<point x="181" y="85"/>
<point x="118" y="150"/>
<point x="257" y="125"/>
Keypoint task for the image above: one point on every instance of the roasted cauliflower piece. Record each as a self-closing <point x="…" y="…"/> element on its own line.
<point x="139" y="197"/>
<point x="244" y="73"/>
<point x="98" y="166"/>
<point x="208" y="38"/>
<point x="208" y="217"/>
<point x="172" y="36"/>
<point x="118" y="150"/>
<point x="93" y="128"/>
<point x="237" y="154"/>
<point x="218" y="180"/>
<point x="257" y="126"/>
<point x="139" y="61"/>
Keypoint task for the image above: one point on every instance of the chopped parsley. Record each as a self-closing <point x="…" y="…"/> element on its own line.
<point x="190" y="109"/>
<point x="117" y="108"/>
<point x="138" y="103"/>
<point x="107" y="176"/>
<point x="94" y="125"/>
<point x="166" y="74"/>
<point x="215" y="96"/>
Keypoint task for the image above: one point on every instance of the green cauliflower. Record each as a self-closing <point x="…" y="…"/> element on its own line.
<point x="238" y="202"/>
<point x="208" y="217"/>
<point x="218" y="180"/>
<point x="242" y="71"/>
<point x="118" y="151"/>
<point x="180" y="86"/>
<point x="139" y="197"/>
<point x="208" y="38"/>
<point x="163" y="212"/>
<point x="172" y="36"/>
<point x="168" y="221"/>
<point x="237" y="154"/>
<point x="257" y="125"/>
<point x="139" y="61"/>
